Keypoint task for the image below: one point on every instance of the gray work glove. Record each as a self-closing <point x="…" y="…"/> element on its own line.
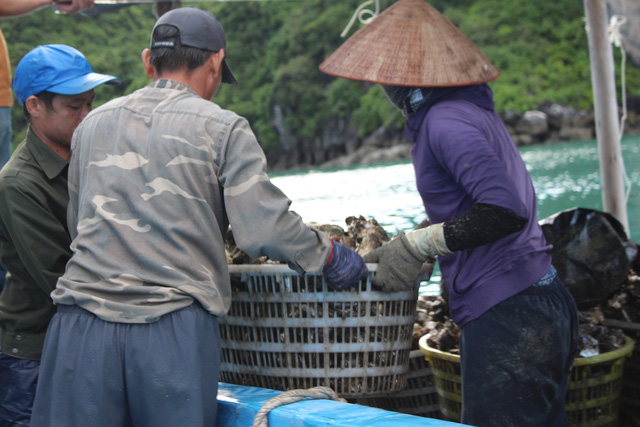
<point x="399" y="264"/>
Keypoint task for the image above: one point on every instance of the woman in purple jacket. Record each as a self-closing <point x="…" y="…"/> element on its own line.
<point x="519" y="323"/>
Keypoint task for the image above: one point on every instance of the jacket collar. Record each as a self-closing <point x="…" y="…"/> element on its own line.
<point x="50" y="162"/>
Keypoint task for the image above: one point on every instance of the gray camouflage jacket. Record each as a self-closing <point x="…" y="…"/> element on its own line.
<point x="154" y="180"/>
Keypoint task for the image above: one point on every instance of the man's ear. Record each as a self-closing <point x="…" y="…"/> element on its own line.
<point x="215" y="60"/>
<point x="33" y="105"/>
<point x="146" y="62"/>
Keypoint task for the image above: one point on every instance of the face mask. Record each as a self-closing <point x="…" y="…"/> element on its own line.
<point x="397" y="95"/>
<point x="407" y="99"/>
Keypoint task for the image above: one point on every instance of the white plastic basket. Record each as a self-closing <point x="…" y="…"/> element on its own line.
<point x="418" y="398"/>
<point x="285" y="331"/>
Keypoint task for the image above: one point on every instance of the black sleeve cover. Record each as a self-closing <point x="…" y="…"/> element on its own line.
<point x="481" y="224"/>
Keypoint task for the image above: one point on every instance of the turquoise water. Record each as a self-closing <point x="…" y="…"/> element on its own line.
<point x="565" y="175"/>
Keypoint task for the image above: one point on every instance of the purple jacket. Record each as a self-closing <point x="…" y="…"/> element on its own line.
<point x="462" y="155"/>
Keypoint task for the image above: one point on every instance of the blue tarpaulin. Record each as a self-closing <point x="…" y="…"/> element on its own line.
<point x="238" y="405"/>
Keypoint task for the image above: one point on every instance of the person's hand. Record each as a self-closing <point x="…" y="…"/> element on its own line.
<point x="73" y="6"/>
<point x="399" y="264"/>
<point x="345" y="268"/>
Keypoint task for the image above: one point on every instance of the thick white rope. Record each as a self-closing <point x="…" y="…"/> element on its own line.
<point x="262" y="417"/>
<point x="360" y="14"/>
<point x="615" y="38"/>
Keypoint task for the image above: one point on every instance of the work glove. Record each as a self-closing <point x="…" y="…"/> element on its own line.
<point x="429" y="241"/>
<point x="345" y="268"/>
<point x="402" y="260"/>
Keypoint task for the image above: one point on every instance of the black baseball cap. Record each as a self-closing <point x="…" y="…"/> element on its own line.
<point x="197" y="28"/>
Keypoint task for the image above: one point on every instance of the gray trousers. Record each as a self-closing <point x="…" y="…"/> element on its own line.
<point x="103" y="374"/>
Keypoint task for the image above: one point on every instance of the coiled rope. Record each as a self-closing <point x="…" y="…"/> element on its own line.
<point x="262" y="417"/>
<point x="360" y="14"/>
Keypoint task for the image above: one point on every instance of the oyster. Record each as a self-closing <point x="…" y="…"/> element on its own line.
<point x="366" y="233"/>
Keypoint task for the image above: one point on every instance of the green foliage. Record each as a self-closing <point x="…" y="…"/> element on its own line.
<point x="275" y="47"/>
<point x="376" y="110"/>
<point x="344" y="96"/>
<point x="296" y="91"/>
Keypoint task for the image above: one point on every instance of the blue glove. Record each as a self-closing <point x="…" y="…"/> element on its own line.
<point x="345" y="268"/>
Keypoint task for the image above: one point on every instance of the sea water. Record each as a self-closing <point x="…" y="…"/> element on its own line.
<point x="565" y="175"/>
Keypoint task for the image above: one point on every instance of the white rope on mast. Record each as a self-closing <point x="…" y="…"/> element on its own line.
<point x="360" y="14"/>
<point x="615" y="38"/>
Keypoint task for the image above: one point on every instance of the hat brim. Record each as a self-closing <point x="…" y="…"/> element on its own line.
<point x="410" y="44"/>
<point x="84" y="83"/>
<point x="227" y="75"/>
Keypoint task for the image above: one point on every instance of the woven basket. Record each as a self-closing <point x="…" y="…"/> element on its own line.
<point x="285" y="331"/>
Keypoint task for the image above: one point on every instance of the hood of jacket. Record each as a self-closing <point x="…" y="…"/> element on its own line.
<point x="480" y="94"/>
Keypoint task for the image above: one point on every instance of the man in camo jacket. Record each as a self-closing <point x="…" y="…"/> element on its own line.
<point x="155" y="179"/>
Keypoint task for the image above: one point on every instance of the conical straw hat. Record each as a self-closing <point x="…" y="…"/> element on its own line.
<point x="410" y="44"/>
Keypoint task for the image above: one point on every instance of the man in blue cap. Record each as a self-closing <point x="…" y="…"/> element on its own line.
<point x="11" y="9"/>
<point x="54" y="83"/>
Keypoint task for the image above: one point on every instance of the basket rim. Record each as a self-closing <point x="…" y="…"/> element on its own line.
<point x="430" y="351"/>
<point x="275" y="269"/>
<point x="623" y="351"/>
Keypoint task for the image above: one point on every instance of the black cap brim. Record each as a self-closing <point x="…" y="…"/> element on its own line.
<point x="227" y="75"/>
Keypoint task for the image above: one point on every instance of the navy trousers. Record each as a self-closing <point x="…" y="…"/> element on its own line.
<point x="103" y="374"/>
<point x="18" y="379"/>
<point x="516" y="358"/>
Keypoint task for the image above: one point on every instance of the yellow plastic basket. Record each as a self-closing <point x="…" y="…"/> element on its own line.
<point x="593" y="399"/>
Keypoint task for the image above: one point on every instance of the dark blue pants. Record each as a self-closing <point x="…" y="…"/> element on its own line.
<point x="18" y="379"/>
<point x="516" y="358"/>
<point x="103" y="374"/>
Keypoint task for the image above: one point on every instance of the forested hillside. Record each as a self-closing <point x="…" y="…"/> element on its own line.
<point x="275" y="48"/>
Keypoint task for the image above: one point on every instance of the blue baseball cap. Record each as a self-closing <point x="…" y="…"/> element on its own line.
<point x="56" y="68"/>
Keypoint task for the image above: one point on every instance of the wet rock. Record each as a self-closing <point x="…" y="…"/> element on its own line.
<point x="571" y="133"/>
<point x="533" y="123"/>
<point x="397" y="152"/>
<point x="523" y="139"/>
<point x="511" y="117"/>
<point x="560" y="116"/>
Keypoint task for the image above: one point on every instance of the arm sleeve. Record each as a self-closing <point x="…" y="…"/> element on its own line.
<point x="40" y="239"/>
<point x="259" y="212"/>
<point x="481" y="224"/>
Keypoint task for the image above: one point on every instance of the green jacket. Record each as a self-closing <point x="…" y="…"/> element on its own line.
<point x="35" y="243"/>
